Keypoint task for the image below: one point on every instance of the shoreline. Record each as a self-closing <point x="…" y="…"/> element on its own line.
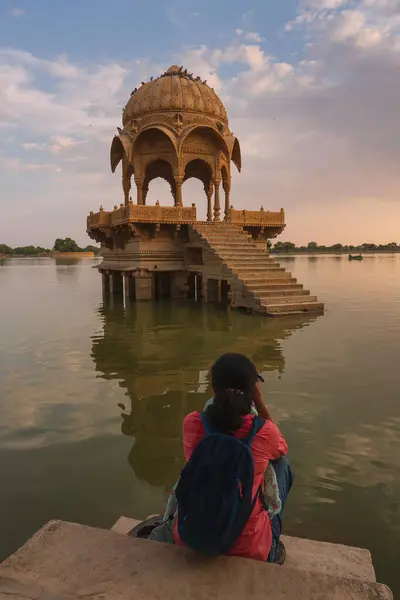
<point x="333" y="253"/>
<point x="77" y="255"/>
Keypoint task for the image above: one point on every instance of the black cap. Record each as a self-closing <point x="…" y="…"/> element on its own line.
<point x="234" y="371"/>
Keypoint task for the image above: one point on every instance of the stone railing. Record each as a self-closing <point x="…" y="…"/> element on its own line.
<point x="135" y="213"/>
<point x="263" y="218"/>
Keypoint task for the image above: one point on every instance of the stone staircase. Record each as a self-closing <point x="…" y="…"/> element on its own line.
<point x="268" y="288"/>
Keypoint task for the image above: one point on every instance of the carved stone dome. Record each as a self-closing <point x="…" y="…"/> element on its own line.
<point x="174" y="90"/>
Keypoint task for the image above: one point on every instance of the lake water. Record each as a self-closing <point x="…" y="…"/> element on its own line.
<point x="67" y="361"/>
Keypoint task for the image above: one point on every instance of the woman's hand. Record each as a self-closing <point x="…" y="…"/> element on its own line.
<point x="262" y="410"/>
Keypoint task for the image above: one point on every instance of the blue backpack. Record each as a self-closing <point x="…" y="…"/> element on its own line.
<point x="215" y="491"/>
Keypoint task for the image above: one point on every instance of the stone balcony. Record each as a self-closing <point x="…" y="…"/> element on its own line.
<point x="134" y="213"/>
<point x="257" y="218"/>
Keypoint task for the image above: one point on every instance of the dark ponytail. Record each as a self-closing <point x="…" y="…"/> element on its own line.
<point x="227" y="410"/>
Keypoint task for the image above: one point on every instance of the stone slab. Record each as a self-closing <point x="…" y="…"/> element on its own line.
<point x="13" y="589"/>
<point x="70" y="559"/>
<point x="332" y="559"/>
<point x="308" y="555"/>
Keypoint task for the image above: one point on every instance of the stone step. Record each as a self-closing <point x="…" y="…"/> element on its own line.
<point x="243" y="254"/>
<point x="307" y="555"/>
<point x="270" y="289"/>
<point x="258" y="287"/>
<point x="331" y="559"/>
<point x="285" y="300"/>
<point x="242" y="250"/>
<point x="236" y="247"/>
<point x="249" y="258"/>
<point x="268" y="294"/>
<point x="274" y="278"/>
<point x="64" y="561"/>
<point x="246" y="268"/>
<point x="293" y="308"/>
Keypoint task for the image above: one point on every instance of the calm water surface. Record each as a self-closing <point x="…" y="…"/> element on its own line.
<point x="68" y="451"/>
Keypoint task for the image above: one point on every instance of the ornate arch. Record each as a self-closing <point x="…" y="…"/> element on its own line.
<point x="117" y="153"/>
<point x="218" y="139"/>
<point x="237" y="155"/>
<point x="159" y="168"/>
<point x="199" y="168"/>
<point x="162" y="129"/>
<point x="154" y="147"/>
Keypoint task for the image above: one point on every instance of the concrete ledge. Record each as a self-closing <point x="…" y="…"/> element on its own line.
<point x="70" y="559"/>
<point x="308" y="555"/>
<point x="331" y="559"/>
<point x="13" y="589"/>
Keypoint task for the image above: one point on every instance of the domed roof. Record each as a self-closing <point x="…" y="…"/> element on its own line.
<point x="174" y="90"/>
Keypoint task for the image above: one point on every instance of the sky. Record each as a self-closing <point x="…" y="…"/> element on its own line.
<point x="312" y="89"/>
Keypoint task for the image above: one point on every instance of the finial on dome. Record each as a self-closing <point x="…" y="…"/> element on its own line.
<point x="173" y="69"/>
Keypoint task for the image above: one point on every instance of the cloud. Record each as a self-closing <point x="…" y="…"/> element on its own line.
<point x="17" y="12"/>
<point x="250" y="36"/>
<point x="359" y="23"/>
<point x="324" y="4"/>
<point x="30" y="146"/>
<point x="351" y="27"/>
<point x="16" y="164"/>
<point x="319" y="134"/>
<point x="63" y="142"/>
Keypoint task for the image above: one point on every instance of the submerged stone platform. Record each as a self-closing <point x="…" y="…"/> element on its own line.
<point x="65" y="561"/>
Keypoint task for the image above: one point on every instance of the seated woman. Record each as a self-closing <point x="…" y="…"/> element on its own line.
<point x="236" y="386"/>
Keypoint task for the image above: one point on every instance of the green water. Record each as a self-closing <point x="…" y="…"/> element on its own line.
<point x="67" y="361"/>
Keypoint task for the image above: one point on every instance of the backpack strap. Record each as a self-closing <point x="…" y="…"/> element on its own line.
<point x="205" y="422"/>
<point x="258" y="423"/>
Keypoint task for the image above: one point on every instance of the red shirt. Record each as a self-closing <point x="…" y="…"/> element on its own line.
<point x="256" y="539"/>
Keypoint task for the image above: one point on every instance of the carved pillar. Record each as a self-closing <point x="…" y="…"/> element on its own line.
<point x="139" y="185"/>
<point x="209" y="192"/>
<point x="217" y="206"/>
<point x="178" y="196"/>
<point x="227" y="190"/>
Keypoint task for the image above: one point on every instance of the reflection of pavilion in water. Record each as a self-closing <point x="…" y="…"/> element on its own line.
<point x="160" y="354"/>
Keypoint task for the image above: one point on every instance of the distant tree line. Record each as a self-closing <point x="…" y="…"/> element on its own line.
<point x="288" y="247"/>
<point x="69" y="245"/>
<point x="23" y="250"/>
<point x="60" y="245"/>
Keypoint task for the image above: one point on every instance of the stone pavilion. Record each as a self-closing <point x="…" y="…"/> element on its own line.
<point x="176" y="127"/>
